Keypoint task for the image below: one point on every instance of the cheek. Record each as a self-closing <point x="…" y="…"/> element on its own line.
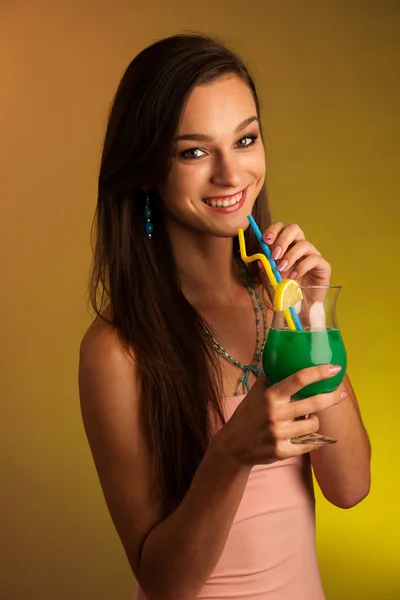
<point x="259" y="160"/>
<point x="256" y="166"/>
<point x="254" y="163"/>
<point x="184" y="181"/>
<point x="189" y="178"/>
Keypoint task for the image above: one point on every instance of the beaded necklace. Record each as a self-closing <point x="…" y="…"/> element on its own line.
<point x="258" y="307"/>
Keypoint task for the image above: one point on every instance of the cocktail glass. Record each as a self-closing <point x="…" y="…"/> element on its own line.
<point x="286" y="351"/>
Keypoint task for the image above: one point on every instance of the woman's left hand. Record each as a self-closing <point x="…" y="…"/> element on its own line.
<point x="296" y="258"/>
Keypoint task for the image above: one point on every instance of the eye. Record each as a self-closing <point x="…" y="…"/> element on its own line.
<point x="192" y="153"/>
<point x="246" y="141"/>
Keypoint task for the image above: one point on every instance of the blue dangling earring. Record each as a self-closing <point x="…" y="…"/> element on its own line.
<point x="148" y="226"/>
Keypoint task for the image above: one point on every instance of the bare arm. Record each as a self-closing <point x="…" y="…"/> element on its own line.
<point x="184" y="548"/>
<point x="343" y="469"/>
<point x="173" y="558"/>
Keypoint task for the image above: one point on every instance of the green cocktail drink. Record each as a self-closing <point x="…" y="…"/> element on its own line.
<point x="286" y="352"/>
<point x="304" y="332"/>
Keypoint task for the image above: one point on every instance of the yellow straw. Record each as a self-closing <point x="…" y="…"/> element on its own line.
<point x="268" y="270"/>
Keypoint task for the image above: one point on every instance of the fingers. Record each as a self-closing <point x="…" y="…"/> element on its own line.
<point x="289" y="386"/>
<point x="294" y="254"/>
<point x="315" y="404"/>
<point x="280" y="237"/>
<point x="272" y="232"/>
<point x="285" y="431"/>
<point x="283" y="427"/>
<point x="313" y="262"/>
<point x="282" y="416"/>
<point x="290" y="249"/>
<point x="304" y="427"/>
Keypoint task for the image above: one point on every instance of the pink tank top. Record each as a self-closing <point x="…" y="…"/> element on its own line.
<point x="270" y="552"/>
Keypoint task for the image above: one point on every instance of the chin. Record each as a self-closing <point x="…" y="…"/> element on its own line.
<point x="229" y="229"/>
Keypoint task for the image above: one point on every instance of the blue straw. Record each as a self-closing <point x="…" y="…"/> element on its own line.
<point x="277" y="274"/>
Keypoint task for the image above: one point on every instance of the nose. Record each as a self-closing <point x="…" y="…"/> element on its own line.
<point x="226" y="172"/>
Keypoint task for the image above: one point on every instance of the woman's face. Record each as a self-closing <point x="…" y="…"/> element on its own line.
<point x="218" y="165"/>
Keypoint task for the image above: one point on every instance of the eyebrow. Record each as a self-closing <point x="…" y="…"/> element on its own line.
<point x="201" y="137"/>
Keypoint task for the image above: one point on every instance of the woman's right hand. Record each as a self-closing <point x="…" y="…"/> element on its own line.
<point x="260" y="429"/>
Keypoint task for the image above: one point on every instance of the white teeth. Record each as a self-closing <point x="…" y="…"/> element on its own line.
<point x="224" y="203"/>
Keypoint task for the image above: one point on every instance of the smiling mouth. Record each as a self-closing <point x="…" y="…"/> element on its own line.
<point x="219" y="202"/>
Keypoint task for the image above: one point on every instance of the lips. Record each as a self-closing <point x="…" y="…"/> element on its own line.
<point x="226" y="204"/>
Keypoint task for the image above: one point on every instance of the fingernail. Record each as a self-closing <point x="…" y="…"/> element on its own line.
<point x="293" y="275"/>
<point x="344" y="394"/>
<point x="268" y="238"/>
<point x="334" y="369"/>
<point x="276" y="252"/>
<point x="283" y="265"/>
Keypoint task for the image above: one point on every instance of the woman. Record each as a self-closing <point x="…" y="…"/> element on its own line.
<point x="208" y="495"/>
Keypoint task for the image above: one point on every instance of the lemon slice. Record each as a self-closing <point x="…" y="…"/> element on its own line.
<point x="287" y="294"/>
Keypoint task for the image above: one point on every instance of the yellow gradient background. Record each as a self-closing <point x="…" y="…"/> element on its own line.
<point x="328" y="74"/>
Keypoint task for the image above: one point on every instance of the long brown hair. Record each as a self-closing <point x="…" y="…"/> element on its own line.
<point x="180" y="374"/>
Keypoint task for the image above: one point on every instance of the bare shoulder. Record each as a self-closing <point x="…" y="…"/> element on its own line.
<point x="102" y="354"/>
<point x="109" y="385"/>
<point x="110" y="398"/>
